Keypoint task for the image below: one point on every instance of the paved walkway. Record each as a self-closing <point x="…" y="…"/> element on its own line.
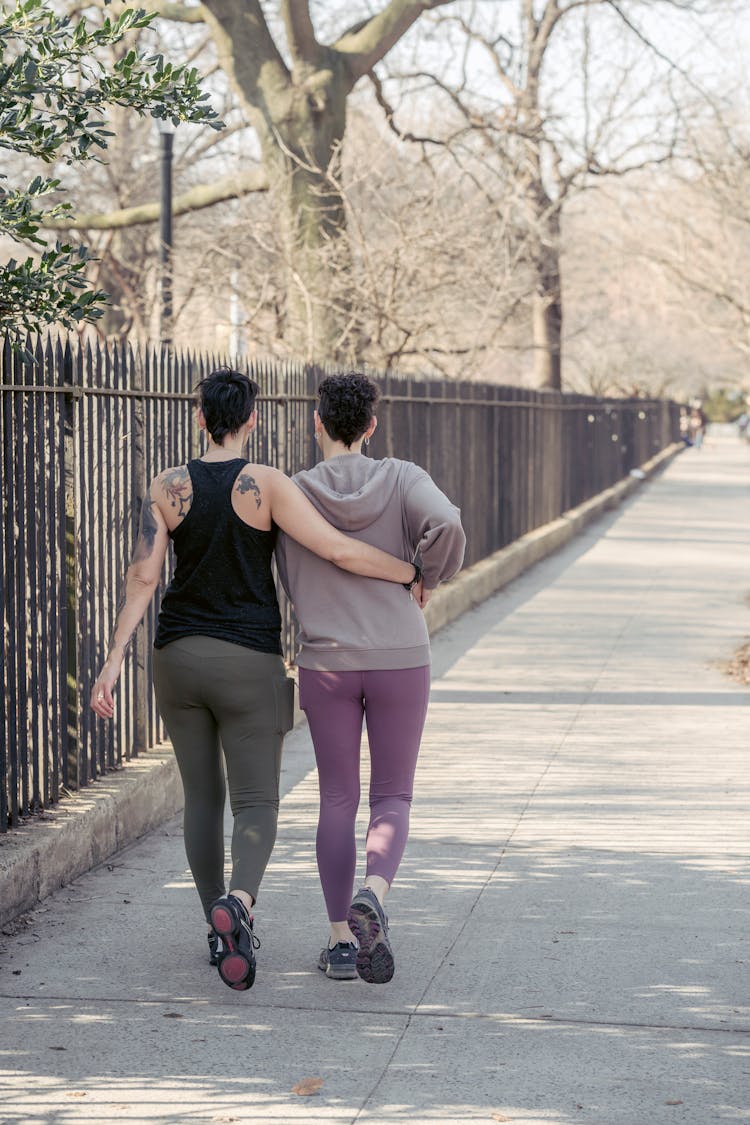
<point x="568" y="921"/>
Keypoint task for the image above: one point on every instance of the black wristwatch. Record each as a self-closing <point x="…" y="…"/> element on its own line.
<point x="409" y="586"/>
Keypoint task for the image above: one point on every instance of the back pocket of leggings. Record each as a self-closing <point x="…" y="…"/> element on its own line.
<point x="284" y="695"/>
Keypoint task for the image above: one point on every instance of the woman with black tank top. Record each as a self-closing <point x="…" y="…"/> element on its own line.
<point x="219" y="675"/>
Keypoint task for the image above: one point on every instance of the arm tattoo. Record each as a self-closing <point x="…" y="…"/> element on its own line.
<point x="246" y="483"/>
<point x="179" y="488"/>
<point x="120" y="606"/>
<point x="147" y="531"/>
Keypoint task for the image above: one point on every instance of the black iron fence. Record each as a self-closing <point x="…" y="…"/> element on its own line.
<point x="84" y="429"/>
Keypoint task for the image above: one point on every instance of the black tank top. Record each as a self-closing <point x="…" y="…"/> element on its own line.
<point x="222" y="585"/>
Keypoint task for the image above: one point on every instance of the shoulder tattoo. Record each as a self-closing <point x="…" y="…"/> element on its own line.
<point x="178" y="488"/>
<point x="246" y="483"/>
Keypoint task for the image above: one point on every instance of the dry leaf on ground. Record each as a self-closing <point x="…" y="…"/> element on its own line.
<point x="739" y="666"/>
<point x="306" y="1087"/>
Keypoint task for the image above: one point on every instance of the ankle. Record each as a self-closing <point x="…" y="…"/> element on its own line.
<point x="378" y="885"/>
<point x="246" y="899"/>
<point x="340" y="932"/>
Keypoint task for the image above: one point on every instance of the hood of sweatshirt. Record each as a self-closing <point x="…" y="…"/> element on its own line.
<point x="351" y="490"/>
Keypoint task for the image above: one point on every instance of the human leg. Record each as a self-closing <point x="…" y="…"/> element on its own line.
<point x="332" y="702"/>
<point x="210" y="691"/>
<point x="396" y="707"/>
<point x="252" y="699"/>
<point x="178" y="677"/>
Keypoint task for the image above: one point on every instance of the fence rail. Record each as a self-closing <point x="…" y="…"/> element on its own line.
<point x="85" y="428"/>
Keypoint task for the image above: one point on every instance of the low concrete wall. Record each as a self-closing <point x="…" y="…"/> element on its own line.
<point x="84" y="830"/>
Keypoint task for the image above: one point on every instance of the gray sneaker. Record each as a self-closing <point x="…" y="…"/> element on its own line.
<point x="339" y="963"/>
<point x="369" y="925"/>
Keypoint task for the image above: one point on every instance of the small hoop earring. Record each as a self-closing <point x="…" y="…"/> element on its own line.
<point x="367" y="441"/>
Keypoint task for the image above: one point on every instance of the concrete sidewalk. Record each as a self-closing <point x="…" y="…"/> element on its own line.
<point x="567" y="922"/>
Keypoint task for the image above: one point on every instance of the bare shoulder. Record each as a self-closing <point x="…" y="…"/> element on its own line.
<point x="252" y="495"/>
<point x="254" y="482"/>
<point x="172" y="489"/>
<point x="269" y="477"/>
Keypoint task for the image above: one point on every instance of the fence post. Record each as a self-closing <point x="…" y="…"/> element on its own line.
<point x="5" y="352"/>
<point x="140" y="664"/>
<point x="70" y="421"/>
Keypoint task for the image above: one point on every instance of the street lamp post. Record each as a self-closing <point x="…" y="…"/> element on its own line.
<point x="166" y="139"/>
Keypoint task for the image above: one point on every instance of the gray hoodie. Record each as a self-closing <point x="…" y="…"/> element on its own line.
<point x="350" y="623"/>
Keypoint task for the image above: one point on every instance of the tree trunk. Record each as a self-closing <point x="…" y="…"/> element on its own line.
<point x="543" y="211"/>
<point x="547" y="315"/>
<point x="302" y="153"/>
<point x="122" y="271"/>
<point x="311" y="221"/>
<point x="547" y="310"/>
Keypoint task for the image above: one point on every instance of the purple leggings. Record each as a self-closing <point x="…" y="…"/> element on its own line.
<point x="395" y="705"/>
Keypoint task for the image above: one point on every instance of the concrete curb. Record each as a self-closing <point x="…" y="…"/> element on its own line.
<point x="83" y="831"/>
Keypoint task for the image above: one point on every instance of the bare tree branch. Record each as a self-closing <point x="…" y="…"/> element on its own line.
<point x="203" y="195"/>
<point x="367" y="45"/>
<point x="300" y="31"/>
<point x="247" y="52"/>
<point x="390" y="117"/>
<point x="178" y="13"/>
<point x="616" y="6"/>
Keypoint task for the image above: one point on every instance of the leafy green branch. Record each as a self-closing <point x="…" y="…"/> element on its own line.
<point x="55" y="86"/>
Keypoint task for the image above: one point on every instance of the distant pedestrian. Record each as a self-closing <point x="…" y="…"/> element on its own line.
<point x="364" y="654"/>
<point x="697" y="425"/>
<point x="219" y="676"/>
<point x="685" y="426"/>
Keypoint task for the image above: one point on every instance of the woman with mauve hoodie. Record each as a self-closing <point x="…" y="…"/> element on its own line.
<point x="364" y="651"/>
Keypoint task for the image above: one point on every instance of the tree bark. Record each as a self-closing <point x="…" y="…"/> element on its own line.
<point x="302" y="150"/>
<point x="547" y="336"/>
<point x="547" y="306"/>
<point x="543" y="212"/>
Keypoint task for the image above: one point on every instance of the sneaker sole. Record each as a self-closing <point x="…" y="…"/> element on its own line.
<point x="375" y="963"/>
<point x="345" y="973"/>
<point x="234" y="967"/>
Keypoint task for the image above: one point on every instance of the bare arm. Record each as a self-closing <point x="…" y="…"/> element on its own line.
<point x="141" y="581"/>
<point x="295" y="515"/>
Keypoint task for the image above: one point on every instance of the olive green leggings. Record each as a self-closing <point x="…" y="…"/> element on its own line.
<point x="214" y="695"/>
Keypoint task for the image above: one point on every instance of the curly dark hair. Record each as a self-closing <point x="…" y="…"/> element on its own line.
<point x="347" y="404"/>
<point x="227" y="399"/>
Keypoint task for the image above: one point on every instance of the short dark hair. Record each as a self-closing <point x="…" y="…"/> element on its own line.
<point x="227" y="399"/>
<point x="347" y="404"/>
